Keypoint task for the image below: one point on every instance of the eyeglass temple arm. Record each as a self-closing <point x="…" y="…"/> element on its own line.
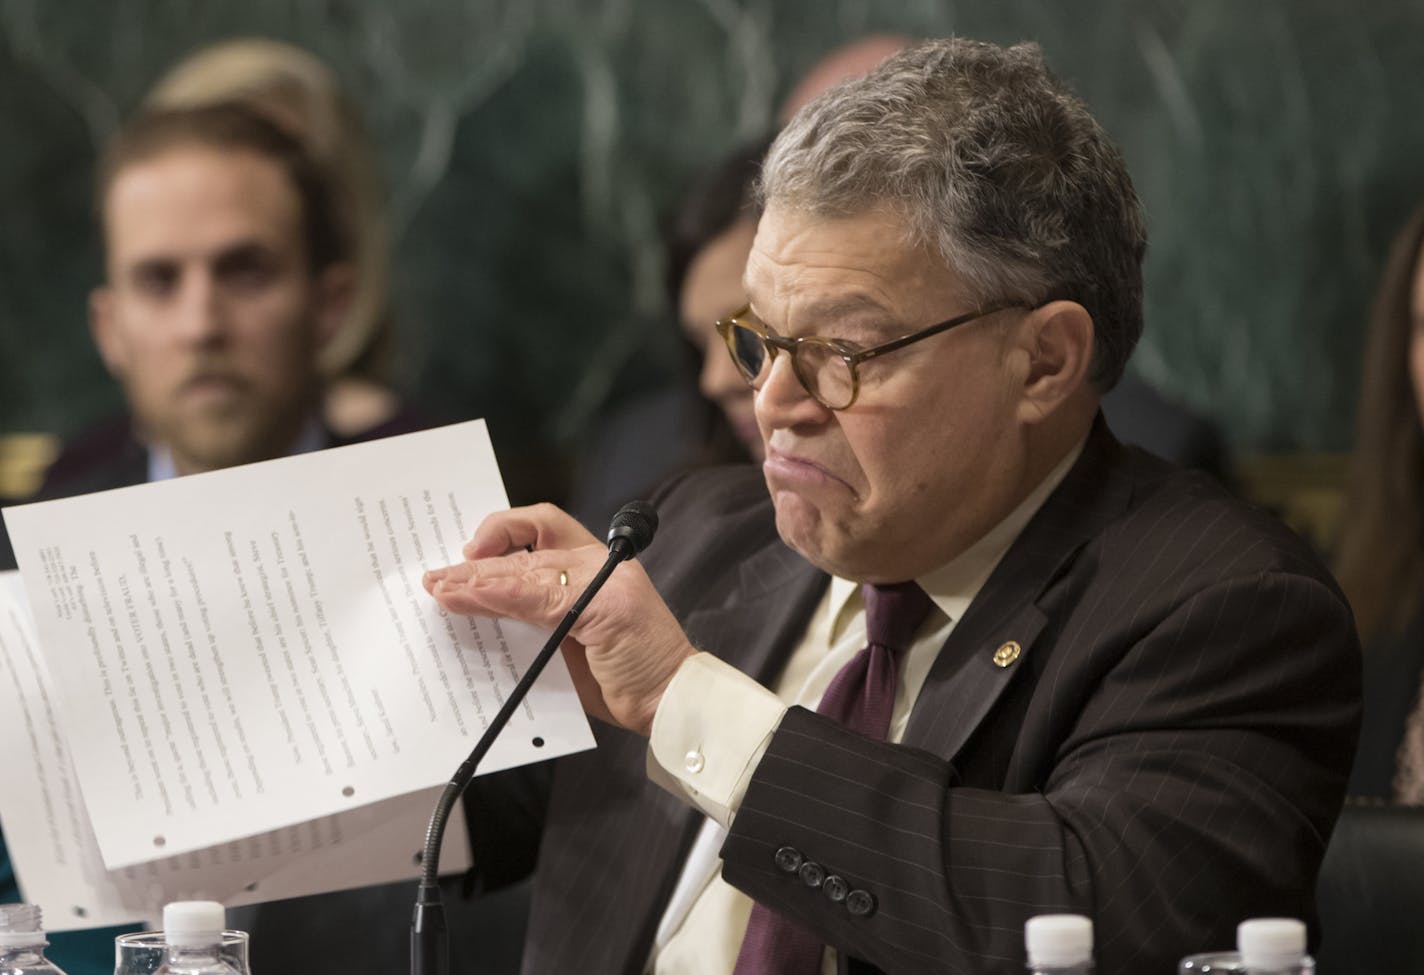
<point x="858" y="357"/>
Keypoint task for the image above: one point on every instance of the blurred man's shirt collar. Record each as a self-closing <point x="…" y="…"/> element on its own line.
<point x="313" y="437"/>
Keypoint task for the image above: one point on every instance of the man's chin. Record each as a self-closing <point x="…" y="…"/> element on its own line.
<point x="847" y="546"/>
<point x="806" y="531"/>
<point x="215" y="446"/>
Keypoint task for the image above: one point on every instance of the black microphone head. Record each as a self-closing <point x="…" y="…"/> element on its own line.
<point x="633" y="527"/>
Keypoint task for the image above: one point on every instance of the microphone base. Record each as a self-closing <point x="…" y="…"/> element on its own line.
<point x="429" y="942"/>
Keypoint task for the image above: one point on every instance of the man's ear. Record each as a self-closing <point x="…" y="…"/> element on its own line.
<point x="335" y="294"/>
<point x="105" y="330"/>
<point x="1058" y="338"/>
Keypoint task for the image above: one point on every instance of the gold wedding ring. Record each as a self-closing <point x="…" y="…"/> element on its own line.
<point x="563" y="577"/>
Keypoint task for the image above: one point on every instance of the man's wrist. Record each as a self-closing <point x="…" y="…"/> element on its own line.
<point x="709" y="733"/>
<point x="645" y="727"/>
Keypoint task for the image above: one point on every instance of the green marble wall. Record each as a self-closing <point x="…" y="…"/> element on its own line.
<point x="532" y="146"/>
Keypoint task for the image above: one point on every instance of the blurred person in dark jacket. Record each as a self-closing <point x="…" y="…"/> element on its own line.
<point x="1380" y="559"/>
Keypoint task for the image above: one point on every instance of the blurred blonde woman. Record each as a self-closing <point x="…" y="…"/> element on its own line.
<point x="297" y="91"/>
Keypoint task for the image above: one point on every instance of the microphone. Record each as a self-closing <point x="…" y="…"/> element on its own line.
<point x="632" y="528"/>
<point x="630" y="532"/>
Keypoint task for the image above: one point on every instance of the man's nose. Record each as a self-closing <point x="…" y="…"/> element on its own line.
<point x="783" y="402"/>
<point x="201" y="317"/>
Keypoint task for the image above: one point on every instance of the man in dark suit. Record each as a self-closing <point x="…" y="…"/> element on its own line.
<point x="1117" y="691"/>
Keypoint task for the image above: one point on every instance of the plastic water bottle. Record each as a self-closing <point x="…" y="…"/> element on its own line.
<point x="1273" y="946"/>
<point x="1264" y="946"/>
<point x="1059" y="944"/>
<point x="1212" y="963"/>
<point x="193" y="933"/>
<point x="22" y="942"/>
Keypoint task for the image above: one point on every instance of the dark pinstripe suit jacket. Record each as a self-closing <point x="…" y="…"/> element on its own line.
<point x="1167" y="755"/>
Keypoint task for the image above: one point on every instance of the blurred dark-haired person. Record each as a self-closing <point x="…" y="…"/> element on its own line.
<point x="953" y="656"/>
<point x="679" y="428"/>
<point x="1380" y="558"/>
<point x="707" y="250"/>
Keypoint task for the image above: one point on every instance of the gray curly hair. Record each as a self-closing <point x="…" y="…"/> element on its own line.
<point x="995" y="165"/>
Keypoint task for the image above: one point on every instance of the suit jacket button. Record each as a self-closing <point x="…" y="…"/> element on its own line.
<point x="835" y="888"/>
<point x="788" y="859"/>
<point x="812" y="873"/>
<point x="860" y="903"/>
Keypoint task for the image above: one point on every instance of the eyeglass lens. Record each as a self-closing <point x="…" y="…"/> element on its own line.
<point x="749" y="352"/>
<point x="820" y="368"/>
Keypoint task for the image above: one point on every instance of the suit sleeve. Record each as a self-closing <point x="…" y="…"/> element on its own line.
<point x="1202" y="765"/>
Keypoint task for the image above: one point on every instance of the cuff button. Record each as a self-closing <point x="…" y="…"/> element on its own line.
<point x="788" y="859"/>
<point x="860" y="903"/>
<point x="812" y="874"/>
<point x="835" y="888"/>
<point x="694" y="762"/>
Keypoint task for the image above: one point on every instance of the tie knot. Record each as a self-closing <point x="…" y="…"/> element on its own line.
<point x="893" y="613"/>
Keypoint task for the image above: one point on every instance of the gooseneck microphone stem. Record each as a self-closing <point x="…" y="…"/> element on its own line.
<point x="630" y="533"/>
<point x="466" y="772"/>
<point x="429" y="941"/>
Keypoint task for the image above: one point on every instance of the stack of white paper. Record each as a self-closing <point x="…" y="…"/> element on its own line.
<point x="235" y="687"/>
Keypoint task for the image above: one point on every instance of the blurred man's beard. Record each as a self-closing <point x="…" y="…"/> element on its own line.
<point x="214" y="438"/>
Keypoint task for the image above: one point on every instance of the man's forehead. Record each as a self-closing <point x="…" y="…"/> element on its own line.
<point x="194" y="196"/>
<point x="839" y="265"/>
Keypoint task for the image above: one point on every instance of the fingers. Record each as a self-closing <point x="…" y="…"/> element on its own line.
<point x="511" y="598"/>
<point x="457" y="573"/>
<point x="540" y="526"/>
<point x="622" y="652"/>
<point x="534" y="587"/>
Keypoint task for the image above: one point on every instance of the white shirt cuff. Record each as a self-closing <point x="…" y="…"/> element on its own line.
<point x="710" y="731"/>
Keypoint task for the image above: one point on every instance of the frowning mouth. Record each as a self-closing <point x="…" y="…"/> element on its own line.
<point x="791" y="470"/>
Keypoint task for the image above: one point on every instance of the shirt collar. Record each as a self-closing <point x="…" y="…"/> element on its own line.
<point x="954" y="585"/>
<point x="160" y="458"/>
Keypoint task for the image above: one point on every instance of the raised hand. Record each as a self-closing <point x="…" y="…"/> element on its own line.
<point x="624" y="649"/>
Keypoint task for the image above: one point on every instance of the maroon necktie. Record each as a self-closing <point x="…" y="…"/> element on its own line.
<point x="862" y="697"/>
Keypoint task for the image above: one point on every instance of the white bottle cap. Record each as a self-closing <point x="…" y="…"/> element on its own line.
<point x="192" y="924"/>
<point x="20" y="926"/>
<point x="1271" y="942"/>
<point x="1058" y="940"/>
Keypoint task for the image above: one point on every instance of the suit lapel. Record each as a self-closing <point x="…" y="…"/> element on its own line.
<point x="1003" y="623"/>
<point x="766" y="617"/>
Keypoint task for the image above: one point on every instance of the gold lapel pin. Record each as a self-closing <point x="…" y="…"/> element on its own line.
<point x="1007" y="653"/>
